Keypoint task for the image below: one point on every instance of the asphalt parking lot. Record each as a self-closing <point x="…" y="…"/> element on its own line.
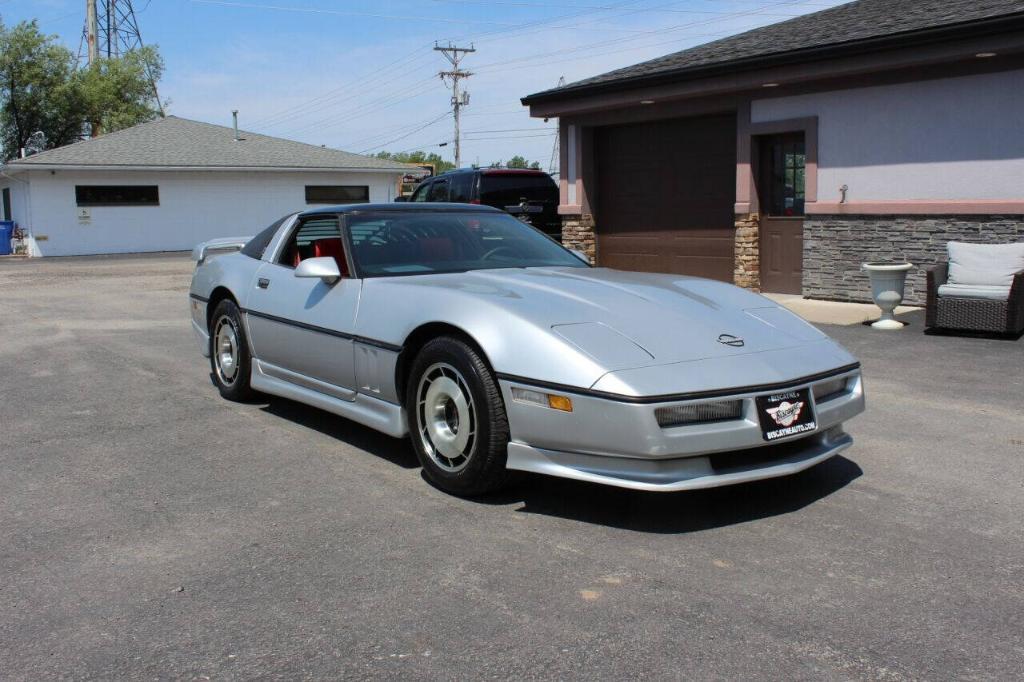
<point x="149" y="528"/>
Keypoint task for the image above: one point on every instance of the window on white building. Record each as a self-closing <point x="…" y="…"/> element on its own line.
<point x="337" y="194"/>
<point x="117" y="195"/>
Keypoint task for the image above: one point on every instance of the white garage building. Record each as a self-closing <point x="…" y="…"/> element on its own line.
<point x="171" y="183"/>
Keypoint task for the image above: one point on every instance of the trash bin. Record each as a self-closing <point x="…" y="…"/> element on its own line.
<point x="6" y="232"/>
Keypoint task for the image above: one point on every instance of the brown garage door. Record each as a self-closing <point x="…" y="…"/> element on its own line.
<point x="665" y="194"/>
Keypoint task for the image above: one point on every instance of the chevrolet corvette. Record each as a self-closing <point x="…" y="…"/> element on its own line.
<point x="493" y="348"/>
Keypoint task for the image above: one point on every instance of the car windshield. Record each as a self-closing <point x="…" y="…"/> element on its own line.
<point x="392" y="243"/>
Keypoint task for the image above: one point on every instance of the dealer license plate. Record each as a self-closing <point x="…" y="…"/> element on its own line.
<point x="786" y="413"/>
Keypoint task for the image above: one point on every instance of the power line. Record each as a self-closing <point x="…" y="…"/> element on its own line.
<point x="508" y="137"/>
<point x="322" y="99"/>
<point x="511" y="130"/>
<point x="397" y="130"/>
<point x="344" y="13"/>
<point x="591" y="46"/>
<point x="548" y="5"/>
<point x="402" y="137"/>
<point x="371" y="107"/>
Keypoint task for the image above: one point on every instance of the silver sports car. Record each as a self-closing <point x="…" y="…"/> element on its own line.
<point x="496" y="349"/>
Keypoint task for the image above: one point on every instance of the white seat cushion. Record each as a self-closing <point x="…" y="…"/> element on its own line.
<point x="984" y="264"/>
<point x="975" y="291"/>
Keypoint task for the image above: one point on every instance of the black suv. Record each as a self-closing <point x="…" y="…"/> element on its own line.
<point x="530" y="195"/>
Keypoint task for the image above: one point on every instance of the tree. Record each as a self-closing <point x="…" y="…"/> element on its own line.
<point x="118" y="92"/>
<point x="517" y="162"/>
<point x="440" y="165"/>
<point x="42" y="91"/>
<point x="37" y="91"/>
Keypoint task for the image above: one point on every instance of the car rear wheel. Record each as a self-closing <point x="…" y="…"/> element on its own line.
<point x="229" y="352"/>
<point x="457" y="418"/>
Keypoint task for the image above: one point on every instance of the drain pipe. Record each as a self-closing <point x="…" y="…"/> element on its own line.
<point x="234" y="116"/>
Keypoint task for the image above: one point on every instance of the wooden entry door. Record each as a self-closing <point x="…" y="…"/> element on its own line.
<point x="781" y="193"/>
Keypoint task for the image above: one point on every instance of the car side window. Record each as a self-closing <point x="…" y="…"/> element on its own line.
<point x="461" y="188"/>
<point x="255" y="247"/>
<point x="438" y="191"/>
<point x="316" y="237"/>
<point x="421" y="192"/>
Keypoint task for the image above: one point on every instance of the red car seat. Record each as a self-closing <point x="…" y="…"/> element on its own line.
<point x="332" y="247"/>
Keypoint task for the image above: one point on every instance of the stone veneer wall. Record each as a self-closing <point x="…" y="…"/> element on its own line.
<point x="747" y="252"/>
<point x="578" y="233"/>
<point x="836" y="245"/>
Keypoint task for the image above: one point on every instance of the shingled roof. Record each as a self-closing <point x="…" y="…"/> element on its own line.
<point x="174" y="142"/>
<point x="844" y="25"/>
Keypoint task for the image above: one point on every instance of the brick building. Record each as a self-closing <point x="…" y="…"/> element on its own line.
<point x="783" y="157"/>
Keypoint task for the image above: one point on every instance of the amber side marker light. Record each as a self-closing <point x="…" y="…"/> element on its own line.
<point x="555" y="402"/>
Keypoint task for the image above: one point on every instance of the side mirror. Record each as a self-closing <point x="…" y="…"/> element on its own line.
<point x="401" y="198"/>
<point x="582" y="256"/>
<point x="325" y="268"/>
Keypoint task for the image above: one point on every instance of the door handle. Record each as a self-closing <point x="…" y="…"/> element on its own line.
<point x="263" y="282"/>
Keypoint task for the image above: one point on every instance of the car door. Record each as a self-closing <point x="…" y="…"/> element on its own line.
<point x="301" y="328"/>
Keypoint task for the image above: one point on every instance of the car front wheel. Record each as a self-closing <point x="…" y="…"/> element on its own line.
<point x="457" y="418"/>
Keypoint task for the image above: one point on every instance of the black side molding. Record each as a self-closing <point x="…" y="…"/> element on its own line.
<point x="677" y="397"/>
<point x="324" y="330"/>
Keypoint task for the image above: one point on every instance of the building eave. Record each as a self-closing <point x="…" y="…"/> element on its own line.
<point x="948" y="33"/>
<point x="22" y="167"/>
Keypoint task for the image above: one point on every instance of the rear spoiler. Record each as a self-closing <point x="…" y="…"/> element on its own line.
<point x="223" y="244"/>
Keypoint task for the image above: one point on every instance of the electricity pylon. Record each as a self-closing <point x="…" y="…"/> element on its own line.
<point x="111" y="30"/>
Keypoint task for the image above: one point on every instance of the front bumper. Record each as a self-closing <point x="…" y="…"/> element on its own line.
<point x="621" y="443"/>
<point x="685" y="473"/>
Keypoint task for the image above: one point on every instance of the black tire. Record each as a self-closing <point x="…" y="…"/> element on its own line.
<point x="480" y="468"/>
<point x="232" y="381"/>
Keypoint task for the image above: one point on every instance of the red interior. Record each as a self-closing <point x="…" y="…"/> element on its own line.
<point x="331" y="247"/>
<point x="438" y="248"/>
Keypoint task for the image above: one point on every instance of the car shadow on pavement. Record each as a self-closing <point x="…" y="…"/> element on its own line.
<point x="681" y="512"/>
<point x="649" y="512"/>
<point x="395" y="450"/>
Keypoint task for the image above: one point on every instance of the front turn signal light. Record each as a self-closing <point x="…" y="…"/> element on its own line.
<point x="559" y="402"/>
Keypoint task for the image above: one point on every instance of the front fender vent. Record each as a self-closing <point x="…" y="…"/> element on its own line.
<point x="699" y="413"/>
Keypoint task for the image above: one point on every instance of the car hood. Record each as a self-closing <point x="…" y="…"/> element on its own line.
<point x="628" y="319"/>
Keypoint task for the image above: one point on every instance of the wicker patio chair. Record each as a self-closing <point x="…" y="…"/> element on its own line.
<point x="975" y="314"/>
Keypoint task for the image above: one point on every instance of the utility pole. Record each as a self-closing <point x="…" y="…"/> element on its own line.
<point x="91" y="30"/>
<point x="454" y="56"/>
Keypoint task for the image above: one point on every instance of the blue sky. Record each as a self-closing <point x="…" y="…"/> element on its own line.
<point x="360" y="75"/>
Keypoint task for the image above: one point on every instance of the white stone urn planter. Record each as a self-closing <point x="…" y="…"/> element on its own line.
<point x="887" y="285"/>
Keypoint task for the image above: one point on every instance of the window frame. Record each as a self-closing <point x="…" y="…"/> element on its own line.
<point x="346" y="244"/>
<point x="92" y="204"/>
<point x="330" y="202"/>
